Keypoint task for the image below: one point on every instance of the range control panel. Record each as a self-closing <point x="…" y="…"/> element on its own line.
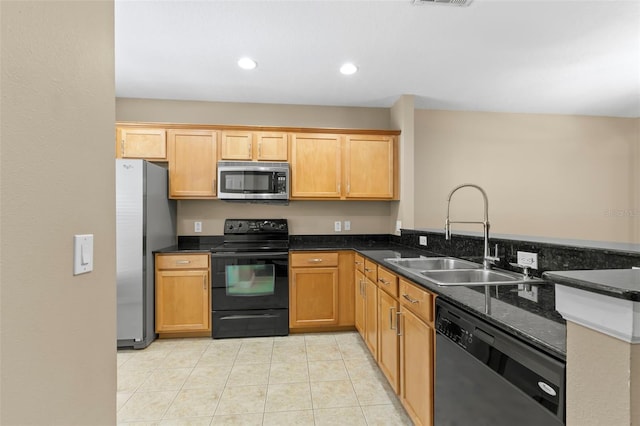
<point x="256" y="226"/>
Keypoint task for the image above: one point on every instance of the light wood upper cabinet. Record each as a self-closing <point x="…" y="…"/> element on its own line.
<point x="236" y="145"/>
<point x="192" y="163"/>
<point x="183" y="302"/>
<point x="149" y="143"/>
<point x="248" y="145"/>
<point x="271" y="146"/>
<point x="369" y="167"/>
<point x="316" y="166"/>
<point x="343" y="167"/>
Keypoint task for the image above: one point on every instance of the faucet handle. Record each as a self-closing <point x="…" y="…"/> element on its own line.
<point x="526" y="269"/>
<point x="495" y="256"/>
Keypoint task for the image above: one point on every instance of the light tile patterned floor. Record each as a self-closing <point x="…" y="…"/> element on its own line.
<point x="309" y="379"/>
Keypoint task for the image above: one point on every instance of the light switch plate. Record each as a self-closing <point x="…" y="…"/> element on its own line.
<point x="337" y="226"/>
<point x="347" y="225"/>
<point x="82" y="254"/>
<point x="197" y="226"/>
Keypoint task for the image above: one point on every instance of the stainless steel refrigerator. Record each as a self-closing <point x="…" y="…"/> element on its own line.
<point x="146" y="221"/>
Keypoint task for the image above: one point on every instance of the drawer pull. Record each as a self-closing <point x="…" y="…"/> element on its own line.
<point x="204" y="283"/>
<point x="315" y="260"/>
<point x="391" y="318"/>
<point x="182" y="262"/>
<point x="358" y="263"/>
<point x="383" y="281"/>
<point x="368" y="270"/>
<point x="410" y="299"/>
<point x="398" y="331"/>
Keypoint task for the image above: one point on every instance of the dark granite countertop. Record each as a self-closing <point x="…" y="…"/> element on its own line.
<point x="530" y="326"/>
<point x="524" y="322"/>
<point x="618" y="283"/>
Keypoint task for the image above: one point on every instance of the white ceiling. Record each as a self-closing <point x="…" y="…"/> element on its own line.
<point x="541" y="56"/>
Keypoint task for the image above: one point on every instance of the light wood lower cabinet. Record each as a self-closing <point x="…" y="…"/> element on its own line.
<point x="388" y="338"/>
<point x="371" y="317"/>
<point x="417" y="337"/>
<point x="416" y="367"/>
<point x="402" y="340"/>
<point x="313" y="290"/>
<point x="360" y="300"/>
<point x="320" y="290"/>
<point x="183" y="301"/>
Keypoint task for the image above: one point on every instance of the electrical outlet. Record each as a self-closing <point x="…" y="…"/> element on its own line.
<point x="197" y="226"/>
<point x="347" y="225"/>
<point x="337" y="226"/>
<point x="529" y="295"/>
<point x="528" y="259"/>
<point x="398" y="226"/>
<point x="423" y="240"/>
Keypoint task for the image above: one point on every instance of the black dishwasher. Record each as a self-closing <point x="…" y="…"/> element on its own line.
<point x="484" y="376"/>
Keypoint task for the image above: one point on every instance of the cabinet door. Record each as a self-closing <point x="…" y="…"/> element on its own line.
<point x="182" y="301"/>
<point x="272" y="146"/>
<point x="389" y="341"/>
<point x="369" y="167"/>
<point x="315" y="166"/>
<point x="346" y="296"/>
<point x="150" y="144"/>
<point x="416" y="349"/>
<point x="192" y="163"/>
<point x="236" y="145"/>
<point x="360" y="302"/>
<point x="313" y="297"/>
<point x="371" y="317"/>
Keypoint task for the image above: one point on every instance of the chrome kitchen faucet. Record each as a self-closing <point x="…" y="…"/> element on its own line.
<point x="487" y="259"/>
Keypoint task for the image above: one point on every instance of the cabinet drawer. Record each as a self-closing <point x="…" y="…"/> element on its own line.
<point x="182" y="261"/>
<point x="417" y="300"/>
<point x="388" y="281"/>
<point x="359" y="261"/>
<point x="316" y="258"/>
<point x="371" y="270"/>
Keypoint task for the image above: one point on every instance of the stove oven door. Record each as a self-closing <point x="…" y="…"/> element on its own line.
<point x="250" y="294"/>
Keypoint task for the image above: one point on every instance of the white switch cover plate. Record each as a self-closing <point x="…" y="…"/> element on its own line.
<point x="423" y="240"/>
<point x="197" y="226"/>
<point x="398" y="225"/>
<point x="347" y="225"/>
<point x="337" y="226"/>
<point x="528" y="259"/>
<point x="82" y="254"/>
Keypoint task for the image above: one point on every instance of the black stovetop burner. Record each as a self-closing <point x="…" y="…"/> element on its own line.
<point x="244" y="235"/>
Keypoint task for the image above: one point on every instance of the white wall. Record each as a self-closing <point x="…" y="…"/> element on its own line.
<point x="58" y="331"/>
<point x="571" y="177"/>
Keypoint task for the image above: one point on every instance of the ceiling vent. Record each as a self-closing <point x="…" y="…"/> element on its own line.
<point x="444" y="2"/>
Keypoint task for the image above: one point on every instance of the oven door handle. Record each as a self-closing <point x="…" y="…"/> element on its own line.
<point x="252" y="255"/>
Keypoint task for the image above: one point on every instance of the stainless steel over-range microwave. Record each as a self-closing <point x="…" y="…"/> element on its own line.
<point x="249" y="180"/>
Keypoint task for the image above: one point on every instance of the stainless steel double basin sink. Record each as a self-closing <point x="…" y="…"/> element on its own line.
<point x="451" y="271"/>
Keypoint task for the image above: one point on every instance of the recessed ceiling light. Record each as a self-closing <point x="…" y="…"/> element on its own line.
<point x="247" y="63"/>
<point x="348" y="69"/>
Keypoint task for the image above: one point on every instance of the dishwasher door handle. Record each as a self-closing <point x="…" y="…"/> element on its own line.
<point x="484" y="336"/>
